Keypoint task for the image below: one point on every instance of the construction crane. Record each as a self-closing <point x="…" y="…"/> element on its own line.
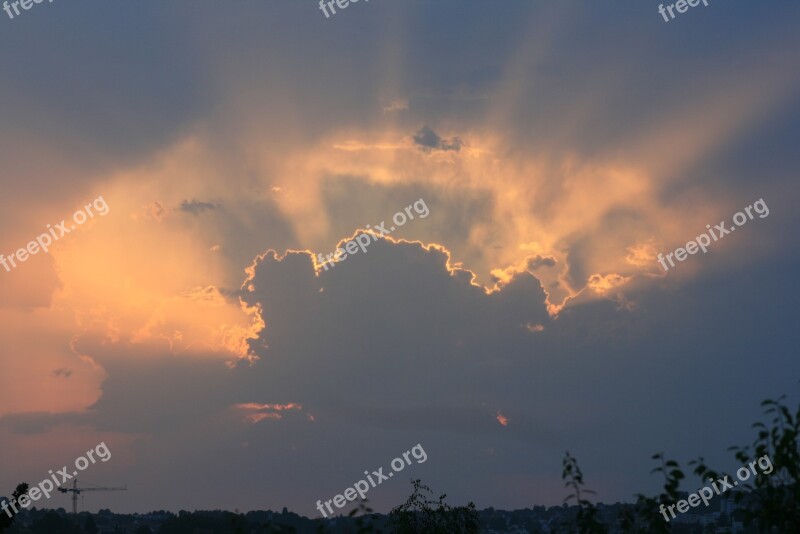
<point x="75" y="490"/>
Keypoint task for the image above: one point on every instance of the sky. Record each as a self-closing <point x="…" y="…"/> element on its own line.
<point x="548" y="151"/>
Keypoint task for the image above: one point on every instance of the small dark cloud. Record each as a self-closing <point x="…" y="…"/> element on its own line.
<point x="63" y="371"/>
<point x="196" y="207"/>
<point x="429" y="140"/>
<point x="534" y="262"/>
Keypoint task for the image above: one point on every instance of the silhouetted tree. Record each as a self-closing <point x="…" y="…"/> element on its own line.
<point x="419" y="514"/>
<point x="52" y="522"/>
<point x="362" y="526"/>
<point x="5" y="520"/>
<point x="587" y="521"/>
<point x="769" y="502"/>
<point x="89" y="525"/>
<point x="644" y="516"/>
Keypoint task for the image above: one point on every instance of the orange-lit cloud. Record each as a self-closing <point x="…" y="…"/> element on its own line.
<point x="258" y="412"/>
<point x="502" y="419"/>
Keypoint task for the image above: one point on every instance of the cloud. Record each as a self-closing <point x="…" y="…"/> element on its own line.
<point x="397" y="345"/>
<point x="154" y="210"/>
<point x="63" y="371"/>
<point x="428" y="140"/>
<point x="396" y="105"/>
<point x="604" y="283"/>
<point x="557" y="149"/>
<point x="196" y="207"/>
<point x="255" y="412"/>
<point x="538" y="261"/>
<point x="502" y="419"/>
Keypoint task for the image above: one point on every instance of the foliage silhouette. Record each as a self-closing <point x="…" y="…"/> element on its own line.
<point x="420" y="514"/>
<point x="5" y="520"/>
<point x="587" y="521"/>
<point x="769" y="503"/>
<point x="54" y="522"/>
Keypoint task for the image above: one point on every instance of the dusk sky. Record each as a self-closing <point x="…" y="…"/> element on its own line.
<point x="548" y="152"/>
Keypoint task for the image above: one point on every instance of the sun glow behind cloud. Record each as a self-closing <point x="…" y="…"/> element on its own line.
<point x="533" y="157"/>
